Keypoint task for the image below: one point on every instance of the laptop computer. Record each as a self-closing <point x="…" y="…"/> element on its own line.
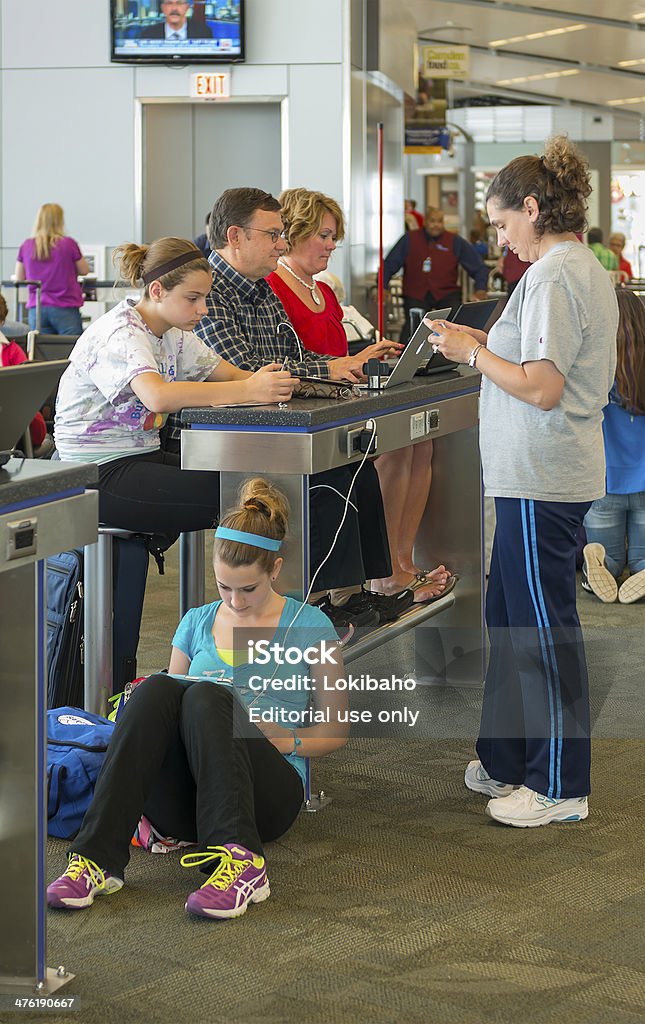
<point x="479" y="315"/>
<point x="417" y="351"/>
<point x="23" y="389"/>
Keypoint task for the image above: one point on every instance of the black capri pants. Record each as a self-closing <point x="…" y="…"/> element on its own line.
<point x="151" y="493"/>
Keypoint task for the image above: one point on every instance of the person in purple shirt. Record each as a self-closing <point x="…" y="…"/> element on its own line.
<point x="55" y="260"/>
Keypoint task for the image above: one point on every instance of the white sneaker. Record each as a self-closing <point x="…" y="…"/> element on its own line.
<point x="633" y="588"/>
<point x="525" y="808"/>
<point x="596" y="577"/>
<point x="477" y="778"/>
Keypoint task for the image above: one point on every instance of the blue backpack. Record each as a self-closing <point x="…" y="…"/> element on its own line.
<point x="76" y="745"/>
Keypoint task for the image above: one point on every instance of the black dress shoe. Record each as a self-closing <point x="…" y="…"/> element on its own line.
<point x="342" y="616"/>
<point x="387" y="607"/>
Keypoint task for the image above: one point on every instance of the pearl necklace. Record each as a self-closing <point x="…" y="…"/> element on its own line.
<point x="310" y="287"/>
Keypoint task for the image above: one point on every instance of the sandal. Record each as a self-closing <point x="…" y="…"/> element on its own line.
<point x="423" y="579"/>
<point x="391" y="606"/>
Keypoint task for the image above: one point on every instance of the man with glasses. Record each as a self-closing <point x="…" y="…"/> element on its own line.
<point x="245" y="318"/>
<point x="177" y="27"/>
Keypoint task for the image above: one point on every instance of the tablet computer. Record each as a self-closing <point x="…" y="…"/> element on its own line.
<point x="417" y="351"/>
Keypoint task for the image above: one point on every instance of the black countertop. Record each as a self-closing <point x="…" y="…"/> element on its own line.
<point x="28" y="480"/>
<point x="320" y="412"/>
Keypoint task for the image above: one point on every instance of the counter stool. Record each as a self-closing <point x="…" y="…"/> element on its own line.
<point x="316" y="802"/>
<point x="99" y="605"/>
<point x="98" y="614"/>
<point x="313" y="802"/>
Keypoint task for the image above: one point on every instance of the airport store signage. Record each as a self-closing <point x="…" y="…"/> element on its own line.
<point x="445" y="61"/>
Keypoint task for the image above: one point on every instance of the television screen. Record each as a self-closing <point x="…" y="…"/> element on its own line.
<point x="177" y="31"/>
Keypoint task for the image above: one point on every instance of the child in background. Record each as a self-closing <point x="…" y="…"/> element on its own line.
<point x="617" y="243"/>
<point x="615" y="524"/>
<point x="11" y="354"/>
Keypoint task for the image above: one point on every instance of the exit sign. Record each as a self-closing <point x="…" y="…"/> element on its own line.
<point x="210" y="85"/>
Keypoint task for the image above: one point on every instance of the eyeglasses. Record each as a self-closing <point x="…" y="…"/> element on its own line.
<point x="273" y="235"/>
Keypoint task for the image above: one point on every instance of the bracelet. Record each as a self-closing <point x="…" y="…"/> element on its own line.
<point x="472" y="358"/>
<point x="297" y="742"/>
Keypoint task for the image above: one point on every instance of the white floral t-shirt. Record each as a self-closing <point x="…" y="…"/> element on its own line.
<point x="98" y="414"/>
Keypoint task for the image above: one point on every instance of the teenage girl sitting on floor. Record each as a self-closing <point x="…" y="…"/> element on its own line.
<point x="185" y="752"/>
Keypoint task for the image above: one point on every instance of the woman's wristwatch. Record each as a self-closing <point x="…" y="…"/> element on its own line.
<point x="472" y="358"/>
<point x="297" y="742"/>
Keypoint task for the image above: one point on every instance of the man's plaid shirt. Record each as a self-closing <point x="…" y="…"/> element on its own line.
<point x="242" y="324"/>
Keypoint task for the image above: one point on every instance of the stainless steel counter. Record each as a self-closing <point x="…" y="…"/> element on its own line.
<point x="44" y="508"/>
<point x="305" y="437"/>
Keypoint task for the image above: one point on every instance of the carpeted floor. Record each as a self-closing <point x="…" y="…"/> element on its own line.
<point x="401" y="901"/>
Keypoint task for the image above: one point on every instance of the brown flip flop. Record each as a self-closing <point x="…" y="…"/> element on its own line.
<point x="422" y="580"/>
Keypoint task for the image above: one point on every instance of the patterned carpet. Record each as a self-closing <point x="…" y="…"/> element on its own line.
<point x="401" y="901"/>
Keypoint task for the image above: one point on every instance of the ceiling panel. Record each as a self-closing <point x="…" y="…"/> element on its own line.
<point x="479" y="23"/>
<point x="585" y="86"/>
<point x="605" y="46"/>
<point x="623" y="9"/>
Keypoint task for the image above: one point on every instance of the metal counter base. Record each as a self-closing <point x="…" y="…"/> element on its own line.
<point x="306" y="437"/>
<point x="44" y="509"/>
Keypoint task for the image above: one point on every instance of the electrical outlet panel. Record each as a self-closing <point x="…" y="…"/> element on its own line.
<point x="417" y="425"/>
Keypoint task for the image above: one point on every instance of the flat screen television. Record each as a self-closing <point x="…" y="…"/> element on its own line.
<point x="177" y="31"/>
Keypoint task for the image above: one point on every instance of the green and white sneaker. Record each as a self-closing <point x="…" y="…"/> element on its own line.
<point x="524" y="808"/>
<point x="477" y="778"/>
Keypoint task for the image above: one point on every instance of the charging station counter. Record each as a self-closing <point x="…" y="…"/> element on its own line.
<point x="290" y="443"/>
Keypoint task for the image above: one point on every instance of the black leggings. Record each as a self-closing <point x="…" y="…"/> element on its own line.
<point x="362" y="551"/>
<point x="185" y="755"/>
<point x="152" y="494"/>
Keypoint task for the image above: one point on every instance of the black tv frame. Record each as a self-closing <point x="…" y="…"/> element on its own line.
<point x="181" y="58"/>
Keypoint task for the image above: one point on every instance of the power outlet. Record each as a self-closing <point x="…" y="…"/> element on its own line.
<point x="417" y="425"/>
<point x="353" y="441"/>
<point x="432" y="420"/>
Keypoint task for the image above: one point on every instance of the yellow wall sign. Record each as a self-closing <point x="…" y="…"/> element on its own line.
<point x="445" y="61"/>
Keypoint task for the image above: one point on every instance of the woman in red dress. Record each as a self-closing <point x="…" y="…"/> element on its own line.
<point x="314" y="224"/>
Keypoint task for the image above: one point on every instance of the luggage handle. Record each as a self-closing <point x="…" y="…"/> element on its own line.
<point x="55" y="776"/>
<point x="78" y="746"/>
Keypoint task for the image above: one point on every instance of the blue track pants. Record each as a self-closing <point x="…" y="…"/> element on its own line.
<point x="535" y="716"/>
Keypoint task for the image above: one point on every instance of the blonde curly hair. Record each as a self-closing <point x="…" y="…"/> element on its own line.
<point x="303" y="212"/>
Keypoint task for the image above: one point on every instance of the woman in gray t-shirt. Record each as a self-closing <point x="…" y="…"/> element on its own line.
<point x="547" y="367"/>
